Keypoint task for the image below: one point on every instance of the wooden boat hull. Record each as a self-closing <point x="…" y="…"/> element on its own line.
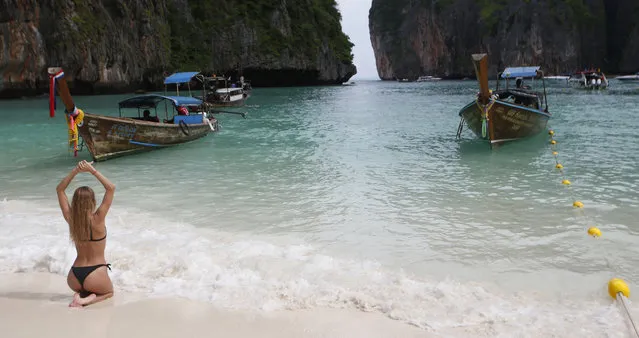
<point x="108" y="137"/>
<point x="505" y="122"/>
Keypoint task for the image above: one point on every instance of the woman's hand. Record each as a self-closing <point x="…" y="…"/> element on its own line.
<point x="85" y="166"/>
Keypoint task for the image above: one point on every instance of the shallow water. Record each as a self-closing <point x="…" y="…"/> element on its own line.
<point x="357" y="197"/>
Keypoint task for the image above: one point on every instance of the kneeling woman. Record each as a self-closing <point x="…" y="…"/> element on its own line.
<point x="88" y="276"/>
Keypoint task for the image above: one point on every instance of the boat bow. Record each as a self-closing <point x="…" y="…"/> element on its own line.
<point x="73" y="115"/>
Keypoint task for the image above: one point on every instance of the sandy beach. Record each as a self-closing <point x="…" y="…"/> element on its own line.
<point x="35" y="305"/>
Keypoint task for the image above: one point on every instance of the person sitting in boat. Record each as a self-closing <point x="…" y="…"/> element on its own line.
<point x="146" y="116"/>
<point x="520" y="84"/>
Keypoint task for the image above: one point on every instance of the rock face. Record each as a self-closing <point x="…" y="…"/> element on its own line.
<point x="437" y="37"/>
<point x="122" y="45"/>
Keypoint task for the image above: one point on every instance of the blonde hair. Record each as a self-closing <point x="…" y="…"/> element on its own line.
<point x="82" y="206"/>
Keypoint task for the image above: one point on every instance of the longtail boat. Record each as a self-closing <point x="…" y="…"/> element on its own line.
<point x="184" y="119"/>
<point x="216" y="90"/>
<point x="505" y="114"/>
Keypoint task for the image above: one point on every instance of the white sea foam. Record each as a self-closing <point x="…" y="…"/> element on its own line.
<point x="243" y="271"/>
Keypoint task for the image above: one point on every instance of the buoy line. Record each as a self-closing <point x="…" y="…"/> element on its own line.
<point x="617" y="288"/>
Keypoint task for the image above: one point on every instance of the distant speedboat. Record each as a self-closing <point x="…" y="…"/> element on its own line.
<point x="629" y="78"/>
<point x="505" y="114"/>
<point x="403" y="80"/>
<point x="427" y="78"/>
<point x="351" y="83"/>
<point x="589" y="79"/>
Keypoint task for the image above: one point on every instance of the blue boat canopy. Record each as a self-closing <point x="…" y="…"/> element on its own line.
<point x="152" y="101"/>
<point x="520" y="72"/>
<point x="183" y="77"/>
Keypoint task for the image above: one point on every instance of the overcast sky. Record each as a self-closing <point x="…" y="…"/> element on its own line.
<point x="355" y="25"/>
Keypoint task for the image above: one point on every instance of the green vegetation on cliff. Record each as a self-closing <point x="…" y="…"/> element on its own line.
<point x="300" y="27"/>
<point x="437" y="37"/>
<point x="319" y="18"/>
<point x="492" y="12"/>
<point x="122" y="45"/>
<point x="86" y="21"/>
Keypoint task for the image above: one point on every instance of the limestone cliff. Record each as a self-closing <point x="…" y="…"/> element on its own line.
<point x="118" y="45"/>
<point x="437" y="37"/>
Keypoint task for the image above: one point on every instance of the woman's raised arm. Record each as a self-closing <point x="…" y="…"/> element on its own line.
<point x="62" y="195"/>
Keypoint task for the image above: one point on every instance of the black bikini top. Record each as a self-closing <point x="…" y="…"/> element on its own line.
<point x="96" y="240"/>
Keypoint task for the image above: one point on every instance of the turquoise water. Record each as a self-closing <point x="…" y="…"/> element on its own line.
<point x="355" y="196"/>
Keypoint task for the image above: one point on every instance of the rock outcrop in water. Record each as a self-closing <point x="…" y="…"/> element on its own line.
<point x="437" y="37"/>
<point x="120" y="45"/>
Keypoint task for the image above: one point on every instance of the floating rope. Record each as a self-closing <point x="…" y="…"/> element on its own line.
<point x="617" y="288"/>
<point x="460" y="128"/>
<point x="576" y="203"/>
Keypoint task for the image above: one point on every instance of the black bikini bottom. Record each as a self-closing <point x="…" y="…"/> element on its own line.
<point x="82" y="272"/>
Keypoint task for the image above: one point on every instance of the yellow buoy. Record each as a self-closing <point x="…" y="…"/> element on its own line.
<point x="553" y="142"/>
<point x="566" y="182"/>
<point x="578" y="204"/>
<point x="559" y="166"/>
<point x="594" y="232"/>
<point x="617" y="285"/>
<point x="555" y="153"/>
<point x="551" y="132"/>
